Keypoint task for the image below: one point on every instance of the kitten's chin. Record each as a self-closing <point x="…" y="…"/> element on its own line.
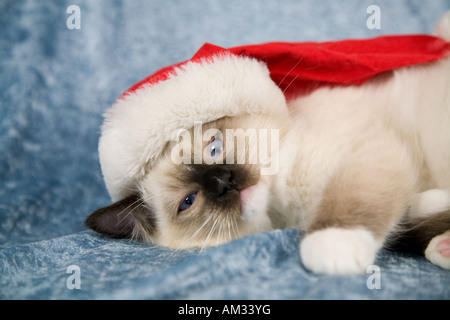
<point x="254" y="203"/>
<point x="247" y="195"/>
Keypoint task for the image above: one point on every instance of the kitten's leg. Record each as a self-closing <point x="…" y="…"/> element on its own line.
<point x="429" y="203"/>
<point x="360" y="206"/>
<point x="438" y="250"/>
<point x="426" y="228"/>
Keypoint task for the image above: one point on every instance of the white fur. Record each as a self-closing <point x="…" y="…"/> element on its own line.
<point x="330" y="122"/>
<point x="339" y="251"/>
<point x="443" y="27"/>
<point x="254" y="209"/>
<point x="433" y="254"/>
<point x="255" y="201"/>
<point x="408" y="112"/>
<point x="429" y="203"/>
<point x="138" y="126"/>
<point x="411" y="110"/>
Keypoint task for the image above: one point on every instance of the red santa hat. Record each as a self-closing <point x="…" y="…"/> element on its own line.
<point x="218" y="82"/>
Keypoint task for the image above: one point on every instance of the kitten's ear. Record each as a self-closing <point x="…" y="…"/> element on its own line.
<point x="128" y="218"/>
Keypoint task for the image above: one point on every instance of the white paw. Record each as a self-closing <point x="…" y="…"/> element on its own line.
<point x="438" y="250"/>
<point x="339" y="251"/>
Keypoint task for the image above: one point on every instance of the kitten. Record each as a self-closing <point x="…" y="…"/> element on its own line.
<point x="356" y="167"/>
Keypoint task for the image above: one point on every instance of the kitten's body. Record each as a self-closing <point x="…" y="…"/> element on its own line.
<point x="359" y="167"/>
<point x="363" y="154"/>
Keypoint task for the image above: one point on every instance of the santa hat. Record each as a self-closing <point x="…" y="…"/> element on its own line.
<point x="220" y="82"/>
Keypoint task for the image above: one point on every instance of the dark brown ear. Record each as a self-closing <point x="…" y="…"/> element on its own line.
<point x="121" y="218"/>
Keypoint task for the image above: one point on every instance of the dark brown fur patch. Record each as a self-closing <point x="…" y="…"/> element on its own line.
<point x="122" y="218"/>
<point x="414" y="235"/>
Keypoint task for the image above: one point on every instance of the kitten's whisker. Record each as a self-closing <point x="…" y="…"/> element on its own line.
<point x="236" y="234"/>
<point x="289" y="72"/>
<point x="290" y="83"/>
<point x="229" y="228"/>
<point x="219" y="235"/>
<point x="282" y="80"/>
<point x="210" y="234"/>
<point x="126" y="210"/>
<point x="193" y="235"/>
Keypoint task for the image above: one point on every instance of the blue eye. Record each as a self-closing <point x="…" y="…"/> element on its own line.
<point x="187" y="202"/>
<point x="215" y="148"/>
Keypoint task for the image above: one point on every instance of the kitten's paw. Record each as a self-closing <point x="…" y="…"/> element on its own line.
<point x="438" y="250"/>
<point x="339" y="251"/>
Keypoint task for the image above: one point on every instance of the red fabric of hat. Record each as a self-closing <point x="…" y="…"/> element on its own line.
<point x="298" y="67"/>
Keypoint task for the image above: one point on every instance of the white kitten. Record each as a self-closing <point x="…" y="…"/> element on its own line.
<point x="357" y="168"/>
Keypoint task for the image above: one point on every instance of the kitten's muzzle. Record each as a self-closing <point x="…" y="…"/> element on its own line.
<point x="223" y="181"/>
<point x="220" y="181"/>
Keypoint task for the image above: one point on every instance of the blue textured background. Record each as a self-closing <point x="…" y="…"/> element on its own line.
<point x="54" y="85"/>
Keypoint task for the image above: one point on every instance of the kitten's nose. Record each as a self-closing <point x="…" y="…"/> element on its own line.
<point x="220" y="181"/>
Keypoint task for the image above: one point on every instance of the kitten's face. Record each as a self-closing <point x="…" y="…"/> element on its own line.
<point x="211" y="185"/>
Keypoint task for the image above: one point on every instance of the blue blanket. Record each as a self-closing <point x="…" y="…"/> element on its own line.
<point x="61" y="68"/>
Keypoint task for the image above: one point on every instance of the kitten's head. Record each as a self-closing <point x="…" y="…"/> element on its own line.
<point x="211" y="185"/>
<point x="190" y="153"/>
